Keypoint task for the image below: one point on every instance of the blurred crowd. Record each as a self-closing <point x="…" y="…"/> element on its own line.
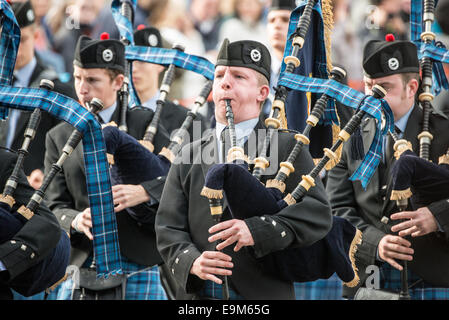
<point x="201" y="25"/>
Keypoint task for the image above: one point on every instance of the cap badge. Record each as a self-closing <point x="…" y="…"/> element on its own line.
<point x="255" y="55"/>
<point x="152" y="40"/>
<point x="393" y="63"/>
<point x="108" y="55"/>
<point x="30" y="15"/>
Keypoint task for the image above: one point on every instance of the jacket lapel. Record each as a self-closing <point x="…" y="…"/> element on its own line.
<point x="410" y="134"/>
<point x="368" y="132"/>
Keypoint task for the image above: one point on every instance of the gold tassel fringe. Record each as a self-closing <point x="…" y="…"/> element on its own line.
<point x="401" y="194"/>
<point x="273" y="183"/>
<point x="25" y="212"/>
<point x="211" y="193"/>
<point x="444" y="159"/>
<point x="328" y="25"/>
<point x="352" y="251"/>
<point x="109" y="124"/>
<point x="110" y="157"/>
<point x="401" y="148"/>
<point x="9" y="200"/>
<point x="289" y="199"/>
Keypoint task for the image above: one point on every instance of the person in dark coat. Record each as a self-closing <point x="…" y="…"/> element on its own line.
<point x="99" y="73"/>
<point x="146" y="80"/>
<point x="28" y="72"/>
<point x="32" y="243"/>
<point x="184" y="226"/>
<point x="394" y="65"/>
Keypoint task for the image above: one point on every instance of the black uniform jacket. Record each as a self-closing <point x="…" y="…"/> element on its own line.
<point x="183" y="220"/>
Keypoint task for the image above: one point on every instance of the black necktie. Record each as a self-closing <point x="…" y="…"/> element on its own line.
<point x="225" y="144"/>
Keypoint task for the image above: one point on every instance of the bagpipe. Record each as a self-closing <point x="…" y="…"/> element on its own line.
<point x="50" y="271"/>
<point x="127" y="12"/>
<point x="233" y="181"/>
<point x="126" y="153"/>
<point x="123" y="151"/>
<point x="416" y="180"/>
<point x="334" y="253"/>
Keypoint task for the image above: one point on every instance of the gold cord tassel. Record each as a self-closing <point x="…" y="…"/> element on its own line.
<point x="352" y="251"/>
<point x="328" y="22"/>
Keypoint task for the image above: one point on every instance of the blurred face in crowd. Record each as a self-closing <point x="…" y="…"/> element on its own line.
<point x="249" y="10"/>
<point x="40" y="7"/>
<point x="96" y="83"/>
<point x="246" y="88"/>
<point x="26" y="47"/>
<point x="146" y="76"/>
<point x="277" y="27"/>
<point x="203" y="10"/>
<point x="85" y="11"/>
<point x="400" y="93"/>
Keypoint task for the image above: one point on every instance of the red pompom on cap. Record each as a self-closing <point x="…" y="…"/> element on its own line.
<point x="141" y="26"/>
<point x="104" y="36"/>
<point x="389" y="37"/>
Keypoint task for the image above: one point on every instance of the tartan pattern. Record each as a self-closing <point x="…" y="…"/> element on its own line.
<point x="180" y="59"/>
<point x="141" y="284"/>
<point x="313" y="63"/>
<point x="356" y="100"/>
<point x="214" y="290"/>
<point x="124" y="25"/>
<point x="9" y="44"/>
<point x="391" y="280"/>
<point x="322" y="289"/>
<point x="97" y="168"/>
<point x="66" y="109"/>
<point x="320" y="66"/>
<point x="125" y="28"/>
<point x="438" y="55"/>
<point x="145" y="284"/>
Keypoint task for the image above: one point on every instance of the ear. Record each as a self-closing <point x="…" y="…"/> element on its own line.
<point x="264" y="91"/>
<point x="412" y="87"/>
<point x="118" y="82"/>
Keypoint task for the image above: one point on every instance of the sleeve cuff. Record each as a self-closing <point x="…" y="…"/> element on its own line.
<point x="440" y="210"/>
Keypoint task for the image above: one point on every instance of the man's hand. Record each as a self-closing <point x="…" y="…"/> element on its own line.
<point x="232" y="231"/>
<point x="210" y="264"/>
<point x="36" y="178"/>
<point x="419" y="223"/>
<point x="83" y="223"/>
<point x="394" y="247"/>
<point x="128" y="195"/>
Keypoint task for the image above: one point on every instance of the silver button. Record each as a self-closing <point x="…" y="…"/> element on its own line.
<point x="273" y="223"/>
<point x="173" y="271"/>
<point x="13" y="241"/>
<point x="63" y="218"/>
<point x="384" y="220"/>
<point x="32" y="255"/>
<point x="283" y="234"/>
<point x="23" y="247"/>
<point x="263" y="218"/>
<point x="177" y="260"/>
<point x="185" y="251"/>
